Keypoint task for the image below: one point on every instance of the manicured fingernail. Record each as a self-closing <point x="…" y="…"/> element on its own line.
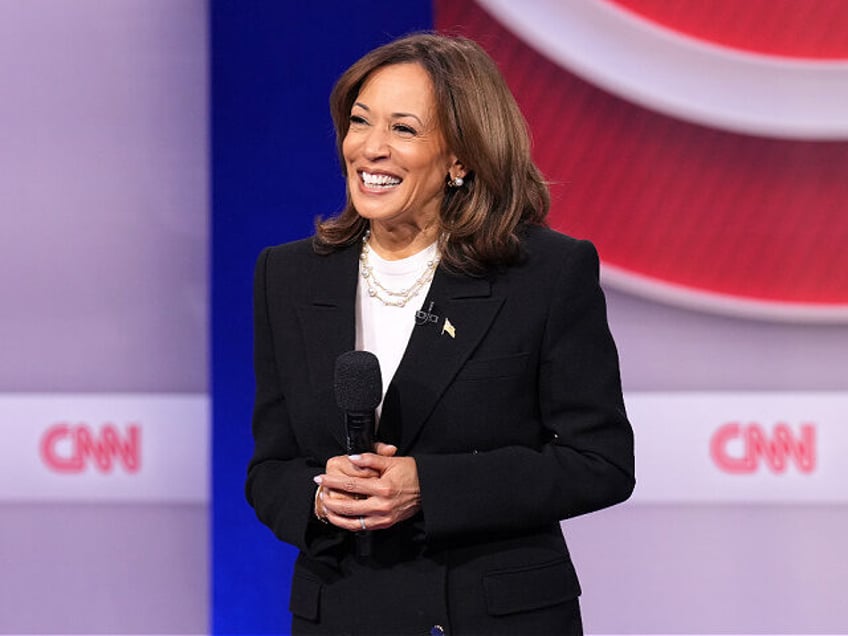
<point x="355" y="458"/>
<point x="317" y="479"/>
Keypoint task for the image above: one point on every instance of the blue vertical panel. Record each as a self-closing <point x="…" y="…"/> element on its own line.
<point x="273" y="170"/>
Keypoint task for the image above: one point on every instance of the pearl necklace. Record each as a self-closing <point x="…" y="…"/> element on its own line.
<point x="390" y="297"/>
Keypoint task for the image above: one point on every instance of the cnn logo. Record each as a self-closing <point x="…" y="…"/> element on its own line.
<point x="67" y="448"/>
<point x="743" y="449"/>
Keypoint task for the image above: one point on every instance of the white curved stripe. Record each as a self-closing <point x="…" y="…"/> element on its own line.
<point x="717" y="303"/>
<point x="683" y="77"/>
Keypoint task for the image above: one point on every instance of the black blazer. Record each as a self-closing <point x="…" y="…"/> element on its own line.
<point x="516" y="422"/>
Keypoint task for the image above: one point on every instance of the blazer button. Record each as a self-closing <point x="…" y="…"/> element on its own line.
<point x="437" y="630"/>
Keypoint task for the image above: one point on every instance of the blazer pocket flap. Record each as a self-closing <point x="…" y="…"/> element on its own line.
<point x="529" y="588"/>
<point x="305" y="597"/>
<point x="493" y="367"/>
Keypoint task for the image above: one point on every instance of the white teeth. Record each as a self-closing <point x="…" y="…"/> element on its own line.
<point x="379" y="179"/>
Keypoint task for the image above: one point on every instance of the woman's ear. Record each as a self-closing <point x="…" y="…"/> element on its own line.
<point x="457" y="169"/>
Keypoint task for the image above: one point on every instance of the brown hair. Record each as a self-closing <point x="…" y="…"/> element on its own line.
<point x="483" y="126"/>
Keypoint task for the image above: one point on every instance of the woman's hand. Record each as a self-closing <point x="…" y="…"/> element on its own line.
<point x="376" y="490"/>
<point x="341" y="466"/>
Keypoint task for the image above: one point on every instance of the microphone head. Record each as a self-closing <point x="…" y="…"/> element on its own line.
<point x="358" y="384"/>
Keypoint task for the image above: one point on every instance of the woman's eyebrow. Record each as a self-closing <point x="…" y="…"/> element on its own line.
<point x="394" y="115"/>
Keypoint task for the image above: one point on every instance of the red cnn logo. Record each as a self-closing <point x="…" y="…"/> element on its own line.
<point x="742" y="449"/>
<point x="67" y="448"/>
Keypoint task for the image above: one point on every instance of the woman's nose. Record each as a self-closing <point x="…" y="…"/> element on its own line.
<point x="376" y="144"/>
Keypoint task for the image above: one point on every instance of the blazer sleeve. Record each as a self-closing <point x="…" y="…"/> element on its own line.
<point x="588" y="463"/>
<point x="279" y="477"/>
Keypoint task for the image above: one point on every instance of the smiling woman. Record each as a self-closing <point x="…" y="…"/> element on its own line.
<point x="502" y="412"/>
<point x="480" y="206"/>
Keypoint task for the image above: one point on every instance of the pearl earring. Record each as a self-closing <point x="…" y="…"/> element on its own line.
<point x="456" y="182"/>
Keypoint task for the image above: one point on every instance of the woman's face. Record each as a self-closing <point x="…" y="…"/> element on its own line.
<point x="394" y="150"/>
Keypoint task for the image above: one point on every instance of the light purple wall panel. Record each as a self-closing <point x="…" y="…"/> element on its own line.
<point x="103" y="289"/>
<point x="104" y="195"/>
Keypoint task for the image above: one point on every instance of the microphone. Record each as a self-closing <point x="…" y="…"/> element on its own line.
<point x="359" y="389"/>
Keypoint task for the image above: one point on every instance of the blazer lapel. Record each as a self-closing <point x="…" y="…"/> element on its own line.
<point x="436" y="352"/>
<point x="328" y="321"/>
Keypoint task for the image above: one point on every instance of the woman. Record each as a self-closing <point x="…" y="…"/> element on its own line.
<point x="502" y="413"/>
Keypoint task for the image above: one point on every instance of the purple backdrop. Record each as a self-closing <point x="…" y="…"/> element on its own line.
<point x="103" y="231"/>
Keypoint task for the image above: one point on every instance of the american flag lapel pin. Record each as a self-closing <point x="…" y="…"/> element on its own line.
<point x="448" y="328"/>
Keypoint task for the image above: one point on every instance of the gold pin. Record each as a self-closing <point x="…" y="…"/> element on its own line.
<point x="449" y="329"/>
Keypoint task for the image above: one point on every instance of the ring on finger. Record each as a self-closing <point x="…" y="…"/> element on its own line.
<point x="362" y="523"/>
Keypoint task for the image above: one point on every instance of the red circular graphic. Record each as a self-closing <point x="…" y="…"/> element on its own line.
<point x="737" y="216"/>
<point x="794" y="28"/>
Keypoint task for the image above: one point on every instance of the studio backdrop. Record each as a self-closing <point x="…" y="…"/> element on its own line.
<point x="150" y="149"/>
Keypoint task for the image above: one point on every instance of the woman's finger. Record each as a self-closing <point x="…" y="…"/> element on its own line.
<point x="386" y="450"/>
<point x="342" y="465"/>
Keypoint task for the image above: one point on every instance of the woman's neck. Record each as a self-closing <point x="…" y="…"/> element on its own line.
<point x="396" y="242"/>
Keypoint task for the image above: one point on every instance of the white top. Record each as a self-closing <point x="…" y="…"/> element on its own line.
<point x="385" y="330"/>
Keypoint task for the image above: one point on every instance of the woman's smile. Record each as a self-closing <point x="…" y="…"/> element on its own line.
<point x="379" y="181"/>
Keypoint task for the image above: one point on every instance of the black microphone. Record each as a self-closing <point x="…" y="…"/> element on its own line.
<point x="359" y="389"/>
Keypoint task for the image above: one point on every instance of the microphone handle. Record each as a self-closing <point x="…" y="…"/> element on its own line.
<point x="360" y="432"/>
<point x="360" y="439"/>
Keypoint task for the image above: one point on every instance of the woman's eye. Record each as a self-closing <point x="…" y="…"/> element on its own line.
<point x="357" y="119"/>
<point x="404" y="129"/>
